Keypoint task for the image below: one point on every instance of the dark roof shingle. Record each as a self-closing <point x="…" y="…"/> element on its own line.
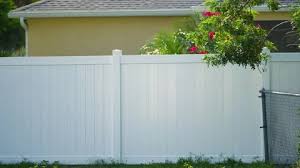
<point x="48" y="5"/>
<point x="82" y="8"/>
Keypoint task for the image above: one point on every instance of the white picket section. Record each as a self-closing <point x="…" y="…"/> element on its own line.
<point x="134" y="109"/>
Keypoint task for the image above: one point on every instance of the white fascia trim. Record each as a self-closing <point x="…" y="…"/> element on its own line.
<point x="107" y="13"/>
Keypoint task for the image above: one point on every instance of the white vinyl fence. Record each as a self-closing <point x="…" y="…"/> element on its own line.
<point x="284" y="73"/>
<point x="133" y="109"/>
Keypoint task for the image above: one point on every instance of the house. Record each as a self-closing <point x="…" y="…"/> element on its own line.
<point x="95" y="27"/>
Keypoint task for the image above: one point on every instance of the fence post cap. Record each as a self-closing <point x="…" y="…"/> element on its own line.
<point x="116" y="52"/>
<point x="266" y="51"/>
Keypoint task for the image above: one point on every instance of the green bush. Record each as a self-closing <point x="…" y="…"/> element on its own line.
<point x="14" y="53"/>
<point x="226" y="34"/>
<point x="166" y="43"/>
<point x="296" y="18"/>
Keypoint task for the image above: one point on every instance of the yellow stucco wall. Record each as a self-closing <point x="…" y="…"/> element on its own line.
<point x="98" y="35"/>
<point x="93" y="36"/>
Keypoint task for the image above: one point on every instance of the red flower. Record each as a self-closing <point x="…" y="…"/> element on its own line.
<point x="193" y="49"/>
<point x="211" y="35"/>
<point x="203" y="52"/>
<point x="209" y="14"/>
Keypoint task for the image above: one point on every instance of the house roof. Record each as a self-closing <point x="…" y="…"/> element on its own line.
<point x="81" y="8"/>
<point x="85" y="8"/>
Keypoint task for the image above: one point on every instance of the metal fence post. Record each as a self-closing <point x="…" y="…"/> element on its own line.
<point x="117" y="114"/>
<point x="265" y="127"/>
<point x="266" y="77"/>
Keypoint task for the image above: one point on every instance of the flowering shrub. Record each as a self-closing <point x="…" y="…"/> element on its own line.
<point x="229" y="34"/>
<point x="209" y="13"/>
<point x="226" y="33"/>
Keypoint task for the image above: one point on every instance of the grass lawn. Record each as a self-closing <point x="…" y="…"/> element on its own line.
<point x="180" y="164"/>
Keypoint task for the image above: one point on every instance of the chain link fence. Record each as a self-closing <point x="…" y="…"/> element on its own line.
<point x="282" y="126"/>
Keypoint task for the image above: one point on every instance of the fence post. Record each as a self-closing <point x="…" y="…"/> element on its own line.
<point x="266" y="77"/>
<point x="265" y="125"/>
<point x="117" y="116"/>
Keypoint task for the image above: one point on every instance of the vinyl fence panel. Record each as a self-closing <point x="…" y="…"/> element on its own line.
<point x="55" y="112"/>
<point x="134" y="109"/>
<point x="181" y="110"/>
<point x="285" y="72"/>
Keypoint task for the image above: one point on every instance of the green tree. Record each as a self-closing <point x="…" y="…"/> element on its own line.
<point x="296" y="14"/>
<point x="296" y="17"/>
<point x="227" y="33"/>
<point x="11" y="34"/>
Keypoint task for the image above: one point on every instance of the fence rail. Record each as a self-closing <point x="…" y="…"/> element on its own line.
<point x="135" y="109"/>
<point x="281" y="93"/>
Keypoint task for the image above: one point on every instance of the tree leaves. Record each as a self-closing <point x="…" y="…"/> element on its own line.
<point x="227" y="32"/>
<point x="11" y="33"/>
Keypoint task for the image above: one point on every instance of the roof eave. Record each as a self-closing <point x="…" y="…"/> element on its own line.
<point x="121" y="13"/>
<point x="107" y="13"/>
